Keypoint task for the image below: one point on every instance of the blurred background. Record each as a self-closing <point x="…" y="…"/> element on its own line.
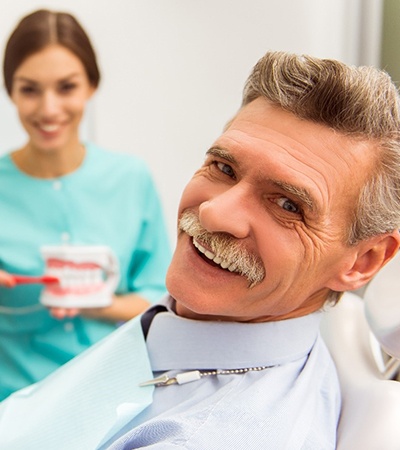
<point x="173" y="70"/>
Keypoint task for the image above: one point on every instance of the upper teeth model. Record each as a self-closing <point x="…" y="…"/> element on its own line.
<point x="76" y="278"/>
<point x="232" y="267"/>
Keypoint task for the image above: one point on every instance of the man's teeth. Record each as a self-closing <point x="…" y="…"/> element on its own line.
<point x="210" y="255"/>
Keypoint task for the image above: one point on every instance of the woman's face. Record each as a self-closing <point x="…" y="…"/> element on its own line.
<point x="50" y="90"/>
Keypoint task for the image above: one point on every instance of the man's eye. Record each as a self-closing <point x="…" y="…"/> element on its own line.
<point x="226" y="169"/>
<point x="288" y="205"/>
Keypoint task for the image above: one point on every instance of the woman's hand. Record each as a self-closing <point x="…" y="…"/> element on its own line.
<point x="6" y="279"/>
<point x="64" y="313"/>
<point x="123" y="308"/>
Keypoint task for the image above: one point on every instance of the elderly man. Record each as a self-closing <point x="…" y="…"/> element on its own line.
<point x="296" y="202"/>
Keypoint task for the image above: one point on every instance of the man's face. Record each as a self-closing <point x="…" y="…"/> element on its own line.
<point x="281" y="192"/>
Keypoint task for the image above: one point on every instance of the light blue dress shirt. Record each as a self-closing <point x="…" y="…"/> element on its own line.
<point x="109" y="200"/>
<point x="293" y="404"/>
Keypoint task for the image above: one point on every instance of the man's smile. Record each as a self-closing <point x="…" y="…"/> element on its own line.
<point x="222" y="250"/>
<point x="231" y="266"/>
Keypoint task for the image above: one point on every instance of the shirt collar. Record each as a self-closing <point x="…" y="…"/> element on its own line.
<point x="175" y="342"/>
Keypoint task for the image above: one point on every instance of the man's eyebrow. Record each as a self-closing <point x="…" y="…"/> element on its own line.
<point x="221" y="153"/>
<point x="301" y="193"/>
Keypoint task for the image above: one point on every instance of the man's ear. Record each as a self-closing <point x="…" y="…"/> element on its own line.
<point x="369" y="258"/>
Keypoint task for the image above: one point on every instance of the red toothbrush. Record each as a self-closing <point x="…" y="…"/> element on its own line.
<point x="44" y="279"/>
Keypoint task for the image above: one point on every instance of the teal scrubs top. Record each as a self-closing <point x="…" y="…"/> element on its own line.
<point x="109" y="200"/>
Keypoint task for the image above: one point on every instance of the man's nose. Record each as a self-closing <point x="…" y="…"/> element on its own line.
<point x="227" y="212"/>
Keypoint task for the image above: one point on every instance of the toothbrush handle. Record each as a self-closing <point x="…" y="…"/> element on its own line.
<point x="26" y="279"/>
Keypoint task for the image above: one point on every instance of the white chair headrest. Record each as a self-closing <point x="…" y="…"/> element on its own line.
<point x="382" y="307"/>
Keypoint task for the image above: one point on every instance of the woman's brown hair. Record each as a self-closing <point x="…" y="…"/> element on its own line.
<point x="42" y="28"/>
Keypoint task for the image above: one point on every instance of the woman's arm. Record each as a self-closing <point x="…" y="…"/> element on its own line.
<point x="123" y="308"/>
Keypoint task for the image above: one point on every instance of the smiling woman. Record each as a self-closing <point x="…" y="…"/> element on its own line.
<point x="50" y="90"/>
<point x="56" y="190"/>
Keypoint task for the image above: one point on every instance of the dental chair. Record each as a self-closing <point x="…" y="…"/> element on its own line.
<point x="363" y="336"/>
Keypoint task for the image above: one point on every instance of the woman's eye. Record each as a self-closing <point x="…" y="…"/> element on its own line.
<point x="67" y="87"/>
<point x="226" y="169"/>
<point x="288" y="205"/>
<point x="28" y="90"/>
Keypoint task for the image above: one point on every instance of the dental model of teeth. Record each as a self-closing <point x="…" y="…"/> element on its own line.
<point x="88" y="276"/>
<point x="75" y="278"/>
<point x="81" y="285"/>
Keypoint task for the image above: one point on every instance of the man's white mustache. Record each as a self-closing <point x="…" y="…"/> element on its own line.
<point x="225" y="247"/>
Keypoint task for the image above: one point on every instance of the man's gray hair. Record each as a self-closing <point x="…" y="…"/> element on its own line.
<point x="361" y="102"/>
